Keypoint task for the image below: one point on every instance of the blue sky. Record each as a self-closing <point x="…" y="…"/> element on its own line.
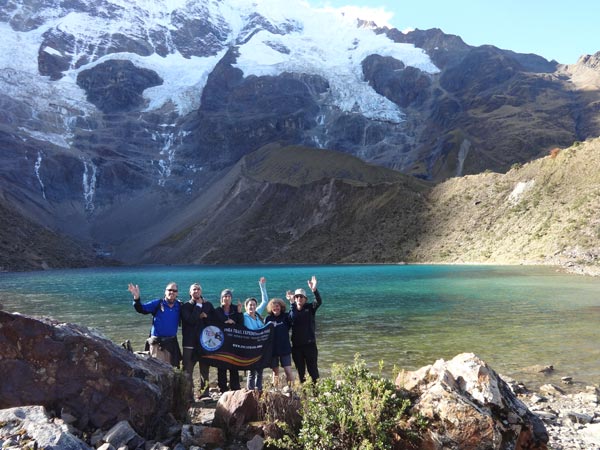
<point x="555" y="29"/>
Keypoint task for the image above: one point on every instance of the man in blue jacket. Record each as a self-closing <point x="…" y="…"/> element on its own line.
<point x="166" y="314"/>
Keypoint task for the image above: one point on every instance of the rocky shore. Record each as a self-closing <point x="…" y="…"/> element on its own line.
<point x="87" y="393"/>
<point x="571" y="419"/>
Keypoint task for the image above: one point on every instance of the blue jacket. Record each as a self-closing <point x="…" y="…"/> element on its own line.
<point x="257" y="323"/>
<point x="166" y="319"/>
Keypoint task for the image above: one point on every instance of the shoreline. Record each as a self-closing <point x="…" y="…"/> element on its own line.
<point x="566" y="266"/>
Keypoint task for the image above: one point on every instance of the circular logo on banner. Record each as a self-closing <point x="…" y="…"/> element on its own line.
<point x="211" y="338"/>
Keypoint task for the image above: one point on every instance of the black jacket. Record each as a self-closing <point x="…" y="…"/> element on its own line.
<point x="303" y="322"/>
<point x="191" y="322"/>
<point x="221" y="317"/>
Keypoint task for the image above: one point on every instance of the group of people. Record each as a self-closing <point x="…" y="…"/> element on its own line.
<point x="194" y="315"/>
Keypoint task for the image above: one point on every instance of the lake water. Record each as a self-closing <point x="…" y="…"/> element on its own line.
<point x="407" y="316"/>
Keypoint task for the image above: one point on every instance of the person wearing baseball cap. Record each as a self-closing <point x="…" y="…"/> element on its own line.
<point x="304" y="340"/>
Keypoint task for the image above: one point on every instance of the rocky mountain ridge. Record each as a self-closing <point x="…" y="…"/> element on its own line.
<point x="542" y="212"/>
<point x="337" y="209"/>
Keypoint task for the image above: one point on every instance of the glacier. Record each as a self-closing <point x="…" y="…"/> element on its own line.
<point x="320" y="41"/>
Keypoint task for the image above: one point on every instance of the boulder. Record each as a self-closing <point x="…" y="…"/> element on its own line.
<point x="469" y="407"/>
<point x="551" y="389"/>
<point x="68" y="367"/>
<point x="201" y="436"/>
<point x="235" y="409"/>
<point x="121" y="435"/>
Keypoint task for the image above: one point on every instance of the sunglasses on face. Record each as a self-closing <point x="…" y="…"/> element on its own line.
<point x="171" y="290"/>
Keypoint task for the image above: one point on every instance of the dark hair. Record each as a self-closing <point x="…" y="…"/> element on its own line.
<point x="250" y="299"/>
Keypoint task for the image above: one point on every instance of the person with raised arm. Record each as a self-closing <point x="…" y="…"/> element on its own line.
<point x="282" y="350"/>
<point x="304" y="341"/>
<point x="254" y="321"/>
<point x="166" y="313"/>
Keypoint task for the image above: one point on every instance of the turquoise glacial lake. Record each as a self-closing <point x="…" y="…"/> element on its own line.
<point x="408" y="316"/>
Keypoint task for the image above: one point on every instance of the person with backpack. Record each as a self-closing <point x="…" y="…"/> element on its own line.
<point x="254" y="321"/>
<point x="166" y="315"/>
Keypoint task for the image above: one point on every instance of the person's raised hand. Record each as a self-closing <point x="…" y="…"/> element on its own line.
<point x="312" y="283"/>
<point x="134" y="289"/>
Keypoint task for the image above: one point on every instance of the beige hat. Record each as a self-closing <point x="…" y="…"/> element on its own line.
<point x="301" y="292"/>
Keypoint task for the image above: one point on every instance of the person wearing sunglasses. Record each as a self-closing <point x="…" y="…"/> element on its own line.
<point x="166" y="312"/>
<point x="304" y="340"/>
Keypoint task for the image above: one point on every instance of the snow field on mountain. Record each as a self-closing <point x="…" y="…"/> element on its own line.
<point x="324" y="42"/>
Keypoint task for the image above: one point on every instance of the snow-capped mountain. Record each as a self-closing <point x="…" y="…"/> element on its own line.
<point x="114" y="112"/>
<point x="182" y="42"/>
<point x="69" y="65"/>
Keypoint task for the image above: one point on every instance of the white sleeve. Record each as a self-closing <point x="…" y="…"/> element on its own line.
<point x="264" y="298"/>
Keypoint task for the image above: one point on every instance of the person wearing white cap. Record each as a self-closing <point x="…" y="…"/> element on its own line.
<point x="304" y="341"/>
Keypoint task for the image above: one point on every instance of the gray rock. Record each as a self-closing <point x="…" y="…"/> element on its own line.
<point x="120" y="434"/>
<point x="578" y="417"/>
<point x="96" y="437"/>
<point x="551" y="389"/>
<point x="546" y="416"/>
<point x="537" y="399"/>
<point x="32" y="424"/>
<point x="106" y="446"/>
<point x="256" y="443"/>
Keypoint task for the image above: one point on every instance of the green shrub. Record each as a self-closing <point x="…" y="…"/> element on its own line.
<point x="351" y="409"/>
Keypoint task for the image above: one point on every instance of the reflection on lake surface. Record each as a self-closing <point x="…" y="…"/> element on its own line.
<point x="513" y="317"/>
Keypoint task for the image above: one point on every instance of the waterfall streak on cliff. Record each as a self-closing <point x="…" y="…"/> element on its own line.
<point x="89" y="184"/>
<point x="38" y="164"/>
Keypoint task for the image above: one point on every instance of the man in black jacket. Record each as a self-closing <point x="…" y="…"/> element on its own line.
<point x="194" y="315"/>
<point x="304" y="340"/>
